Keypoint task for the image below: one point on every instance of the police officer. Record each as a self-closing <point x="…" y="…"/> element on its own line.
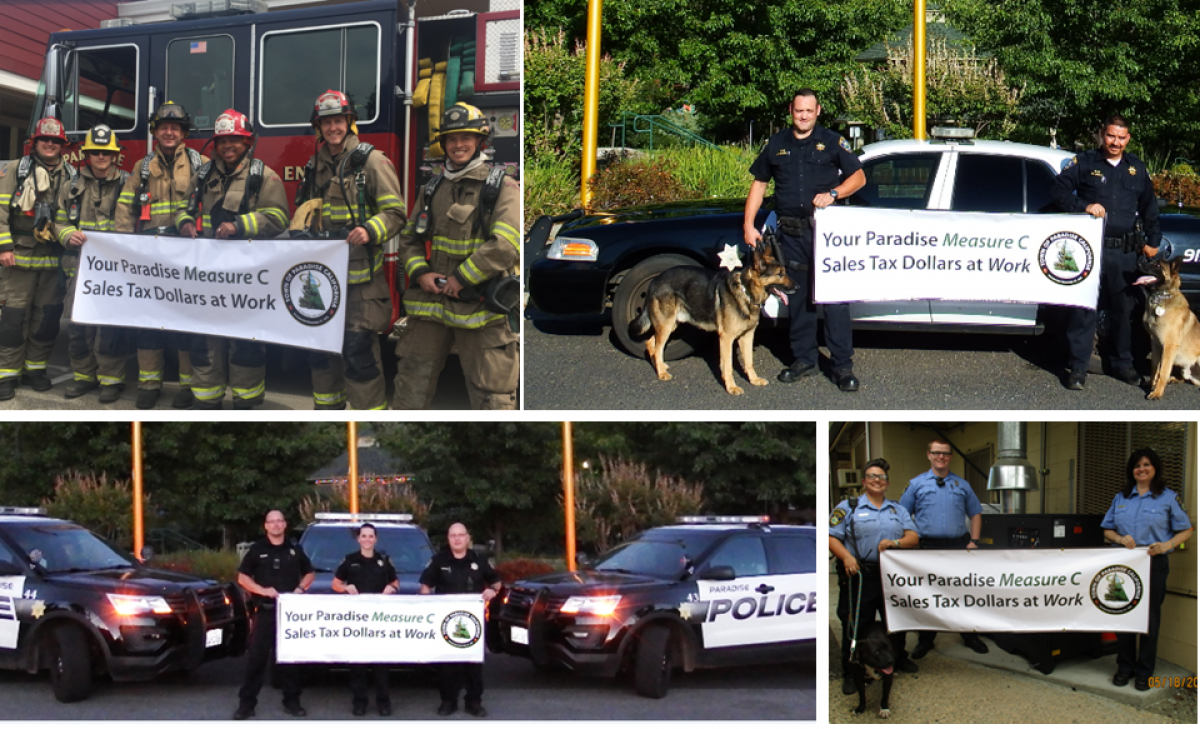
<point x="361" y="200"/>
<point x="471" y="226"/>
<point x="812" y="167"/>
<point x="98" y="354"/>
<point x="153" y="196"/>
<point x="458" y="570"/>
<point x="29" y="253"/>
<point x="365" y="572"/>
<point x="273" y="565"/>
<point x="941" y="505"/>
<point x="240" y="198"/>
<point x="858" y="534"/>
<point x="1111" y="184"/>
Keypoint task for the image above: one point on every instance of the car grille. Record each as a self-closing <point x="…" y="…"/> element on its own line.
<point x="212" y="602"/>
<point x="520" y="604"/>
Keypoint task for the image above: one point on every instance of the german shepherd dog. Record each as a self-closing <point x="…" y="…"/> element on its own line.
<point x="1172" y="326"/>
<point x="874" y="650"/>
<point x="727" y="302"/>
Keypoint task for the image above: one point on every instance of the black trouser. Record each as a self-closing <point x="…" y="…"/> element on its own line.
<point x="803" y="312"/>
<point x="455" y="676"/>
<point x="927" y="636"/>
<point x="864" y="612"/>
<point x="1132" y="661"/>
<point x="258" y="656"/>
<point x="1118" y="296"/>
<point x="358" y="683"/>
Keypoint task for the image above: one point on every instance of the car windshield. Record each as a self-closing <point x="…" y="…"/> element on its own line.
<point x="65" y="548"/>
<point x="661" y="555"/>
<point x="327" y="546"/>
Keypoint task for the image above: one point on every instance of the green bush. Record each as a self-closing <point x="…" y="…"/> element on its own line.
<point x="551" y="186"/>
<point x="105" y="507"/>
<point x="373" y="498"/>
<point x="637" y="181"/>
<point x="211" y="564"/>
<point x="621" y="498"/>
<point x="711" y="172"/>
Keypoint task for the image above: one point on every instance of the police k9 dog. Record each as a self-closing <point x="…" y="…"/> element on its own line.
<point x="1172" y="326"/>
<point x="727" y="302"/>
<point x="874" y="651"/>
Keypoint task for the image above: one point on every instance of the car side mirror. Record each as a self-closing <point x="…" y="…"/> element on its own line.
<point x="583" y="560"/>
<point x="717" y="572"/>
<point x="147" y="553"/>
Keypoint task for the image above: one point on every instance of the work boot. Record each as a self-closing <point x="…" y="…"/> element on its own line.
<point x="199" y="404"/>
<point x="243" y="712"/>
<point x="906" y="665"/>
<point x="38" y="380"/>
<point x="79" y="388"/>
<point x="474" y="708"/>
<point x="183" y="400"/>
<point x="147" y="398"/>
<point x="338" y="406"/>
<point x="1076" y="380"/>
<point x="796" y="371"/>
<point x="8" y="388"/>
<point x="1128" y="375"/>
<point x="921" y="650"/>
<point x="846" y="381"/>
<point x="110" y="393"/>
<point x="447" y="707"/>
<point x="975" y="644"/>
<point x="240" y="404"/>
<point x="848" y="686"/>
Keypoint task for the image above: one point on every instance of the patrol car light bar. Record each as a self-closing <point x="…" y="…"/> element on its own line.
<point x="722" y="519"/>
<point x="952" y="133"/>
<point x="22" y="511"/>
<point x="339" y="516"/>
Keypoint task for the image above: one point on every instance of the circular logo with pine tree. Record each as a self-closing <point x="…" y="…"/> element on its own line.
<point x="461" y="629"/>
<point x="1116" y="590"/>
<point x="1066" y="258"/>
<point x="312" y="293"/>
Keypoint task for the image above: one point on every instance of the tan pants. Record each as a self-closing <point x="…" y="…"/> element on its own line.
<point x="490" y="360"/>
<point x="217" y="360"/>
<point x="29" y="319"/>
<point x="97" y="353"/>
<point x="356" y="375"/>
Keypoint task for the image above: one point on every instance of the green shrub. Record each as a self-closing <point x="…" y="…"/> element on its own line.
<point x="621" y="498"/>
<point x="373" y="498"/>
<point x="711" y="172"/>
<point x="105" y="507"/>
<point x="637" y="182"/>
<point x="551" y="186"/>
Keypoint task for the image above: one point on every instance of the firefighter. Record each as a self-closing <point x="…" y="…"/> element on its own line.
<point x="361" y="201"/>
<point x="98" y="354"/>
<point x="29" y="254"/>
<point x="236" y="196"/>
<point x="472" y="248"/>
<point x="152" y="197"/>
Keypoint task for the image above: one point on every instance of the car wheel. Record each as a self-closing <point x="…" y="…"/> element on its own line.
<point x="70" y="664"/>
<point x="652" y="668"/>
<point x="630" y="299"/>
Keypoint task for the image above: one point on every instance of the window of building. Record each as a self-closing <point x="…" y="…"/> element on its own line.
<point x="1104" y="449"/>
<point x="101" y="88"/>
<point x="200" y="76"/>
<point x="298" y="66"/>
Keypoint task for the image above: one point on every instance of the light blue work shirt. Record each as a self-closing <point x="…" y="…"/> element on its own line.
<point x="1147" y="518"/>
<point x="940" y="512"/>
<point x="871" y="526"/>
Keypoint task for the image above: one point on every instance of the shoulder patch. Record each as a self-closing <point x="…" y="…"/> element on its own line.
<point x="836" y="517"/>
<point x="1071" y="163"/>
<point x="844" y="144"/>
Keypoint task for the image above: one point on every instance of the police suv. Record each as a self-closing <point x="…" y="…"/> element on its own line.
<point x="75" y="605"/>
<point x="332" y="536"/>
<point x="707" y="592"/>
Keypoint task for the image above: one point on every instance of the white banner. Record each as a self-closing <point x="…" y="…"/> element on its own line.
<point x="870" y="254"/>
<point x="379" y="628"/>
<point x="284" y="291"/>
<point x="1017" y="590"/>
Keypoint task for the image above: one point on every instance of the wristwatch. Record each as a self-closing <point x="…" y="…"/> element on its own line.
<point x="833" y="193"/>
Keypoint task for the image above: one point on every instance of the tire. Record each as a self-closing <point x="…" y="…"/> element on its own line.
<point x="70" y="664"/>
<point x="630" y="299"/>
<point x="652" y="667"/>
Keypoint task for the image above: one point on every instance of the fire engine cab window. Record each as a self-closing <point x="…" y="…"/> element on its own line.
<point x="298" y="67"/>
<point x="101" y="89"/>
<point x="200" y="76"/>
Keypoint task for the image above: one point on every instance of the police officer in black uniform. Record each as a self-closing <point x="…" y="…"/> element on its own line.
<point x="1112" y="184"/>
<point x="812" y="166"/>
<point x="458" y="570"/>
<point x="365" y="572"/>
<point x="273" y="565"/>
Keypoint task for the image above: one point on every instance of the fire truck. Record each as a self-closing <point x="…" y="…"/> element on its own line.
<point x="398" y="72"/>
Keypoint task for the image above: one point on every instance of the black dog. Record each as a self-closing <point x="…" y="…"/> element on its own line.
<point x="873" y="650"/>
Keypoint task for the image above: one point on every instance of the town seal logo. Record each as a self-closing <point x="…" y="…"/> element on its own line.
<point x="1066" y="258"/>
<point x="461" y="629"/>
<point x="1116" y="590"/>
<point x="312" y="293"/>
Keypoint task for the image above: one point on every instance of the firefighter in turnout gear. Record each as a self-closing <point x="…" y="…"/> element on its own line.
<point x="29" y="254"/>
<point x="232" y="197"/>
<point x="472" y="248"/>
<point x="98" y="354"/>
<point x="361" y="201"/>
<point x="153" y="196"/>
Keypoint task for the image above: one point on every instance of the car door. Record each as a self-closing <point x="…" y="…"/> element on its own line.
<point x="755" y="607"/>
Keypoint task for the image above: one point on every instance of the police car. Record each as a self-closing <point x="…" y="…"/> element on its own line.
<point x="331" y="537"/>
<point x="706" y="592"/>
<point x="74" y="605"/>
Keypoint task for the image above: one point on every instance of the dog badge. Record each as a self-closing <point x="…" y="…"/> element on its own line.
<point x="1159" y="311"/>
<point x="729" y="257"/>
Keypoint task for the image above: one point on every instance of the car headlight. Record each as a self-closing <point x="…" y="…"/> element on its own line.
<point x="591" y="605"/>
<point x="573" y="249"/>
<point x="139" y="604"/>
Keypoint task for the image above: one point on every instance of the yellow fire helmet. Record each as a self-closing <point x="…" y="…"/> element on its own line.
<point x="101" y="138"/>
<point x="463" y="118"/>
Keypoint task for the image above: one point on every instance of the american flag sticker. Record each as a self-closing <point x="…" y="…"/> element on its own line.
<point x="199" y="46"/>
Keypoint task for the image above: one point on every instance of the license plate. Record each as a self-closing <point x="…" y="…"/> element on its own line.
<point x="519" y="635"/>
<point x="213" y="638"/>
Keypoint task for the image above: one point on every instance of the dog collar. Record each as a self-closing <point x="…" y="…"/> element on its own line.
<point x="1156" y="301"/>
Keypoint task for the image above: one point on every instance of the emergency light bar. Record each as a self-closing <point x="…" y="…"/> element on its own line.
<point x="216" y="8"/>
<point x="952" y="133"/>
<point x="722" y="519"/>
<point x="22" y="511"/>
<point x="339" y="516"/>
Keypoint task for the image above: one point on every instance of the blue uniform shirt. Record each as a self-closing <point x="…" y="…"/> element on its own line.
<point x="940" y="512"/>
<point x="871" y="526"/>
<point x="1148" y="519"/>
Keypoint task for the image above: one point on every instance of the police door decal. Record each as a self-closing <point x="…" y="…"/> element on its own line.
<point x="10" y="592"/>
<point x="754" y="610"/>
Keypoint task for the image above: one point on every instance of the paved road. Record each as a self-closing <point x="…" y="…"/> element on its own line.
<point x="577" y="365"/>
<point x="513" y="691"/>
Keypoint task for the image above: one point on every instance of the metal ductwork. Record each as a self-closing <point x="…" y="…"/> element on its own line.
<point x="1012" y="474"/>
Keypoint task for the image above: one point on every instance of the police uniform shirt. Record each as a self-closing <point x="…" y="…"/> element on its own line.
<point x="940" y="512"/>
<point x="1147" y="518"/>
<point x="367" y="574"/>
<point x="1124" y="191"/>
<point x="803" y="168"/>
<point x="871" y="526"/>
<point x="280" y="566"/>
<point x="448" y="575"/>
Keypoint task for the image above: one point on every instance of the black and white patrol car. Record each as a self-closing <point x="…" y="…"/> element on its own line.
<point x="707" y="592"/>
<point x="332" y="536"/>
<point x="74" y="605"/>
